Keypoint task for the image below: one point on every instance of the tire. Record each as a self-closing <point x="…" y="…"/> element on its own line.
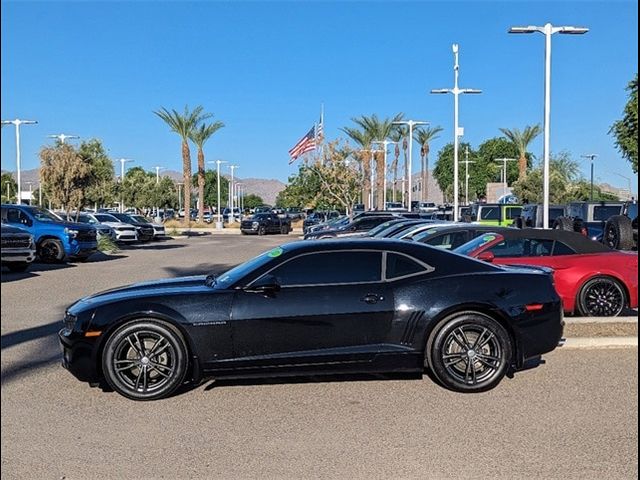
<point x="519" y="223"/>
<point x="618" y="233"/>
<point x="601" y="297"/>
<point x="17" y="267"/>
<point x="563" y="223"/>
<point x="262" y="230"/>
<point x="51" y="250"/>
<point x="138" y="376"/>
<point x="456" y="338"/>
<point x="284" y="230"/>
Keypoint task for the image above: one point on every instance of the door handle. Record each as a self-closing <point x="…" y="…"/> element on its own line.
<point x="372" y="298"/>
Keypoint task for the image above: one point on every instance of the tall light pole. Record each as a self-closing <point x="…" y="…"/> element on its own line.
<point x="372" y="151"/>
<point x="457" y="131"/>
<point x="628" y="183"/>
<point x="239" y="194"/>
<point x="466" y="175"/>
<point x="232" y="218"/>
<point x="8" y="184"/>
<point x="62" y="137"/>
<point x="547" y="30"/>
<point x="504" y="171"/>
<point x="17" y="122"/>
<point x="219" y="222"/>
<point x="122" y="162"/>
<point x="385" y="145"/>
<point x="591" y="157"/>
<point x="180" y="198"/>
<point x="410" y="124"/>
<point x="158" y="173"/>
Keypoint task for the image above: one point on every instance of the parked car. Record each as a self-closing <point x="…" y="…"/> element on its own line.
<point x="592" y="279"/>
<point x="426" y="207"/>
<point x="18" y="248"/>
<point x="621" y="231"/>
<point x="363" y="223"/>
<point x="452" y="235"/>
<point x="226" y="214"/>
<point x="358" y="208"/>
<point x="318" y="217"/>
<point x="496" y="214"/>
<point x="532" y="215"/>
<point x="294" y="213"/>
<point x="262" y="209"/>
<point x="158" y="228"/>
<point x="144" y="231"/>
<point x="329" y="224"/>
<point x="263" y="223"/>
<point x="588" y="218"/>
<point x="102" y="229"/>
<point x="272" y="317"/>
<point x="55" y="238"/>
<point x="124" y="232"/>
<point x="394" y="207"/>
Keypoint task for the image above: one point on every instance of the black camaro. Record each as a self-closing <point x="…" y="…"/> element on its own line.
<point x="318" y="308"/>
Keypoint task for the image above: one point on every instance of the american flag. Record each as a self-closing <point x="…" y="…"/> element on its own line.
<point x="305" y="144"/>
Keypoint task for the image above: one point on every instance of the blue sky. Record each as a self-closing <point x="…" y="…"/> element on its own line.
<point x="99" y="69"/>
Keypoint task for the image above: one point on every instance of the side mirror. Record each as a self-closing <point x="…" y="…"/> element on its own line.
<point x="267" y="284"/>
<point x="487" y="256"/>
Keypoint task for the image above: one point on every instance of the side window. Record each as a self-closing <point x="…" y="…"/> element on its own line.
<point x="13" y="215"/>
<point x="401" y="266"/>
<point x="509" y="248"/>
<point x="368" y="223"/>
<point x="537" y="248"/>
<point x="560" y="248"/>
<point x="447" y="241"/>
<point x="330" y="268"/>
<point x="490" y="213"/>
<point x="513" y="212"/>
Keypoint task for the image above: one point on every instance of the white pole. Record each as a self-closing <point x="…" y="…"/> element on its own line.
<point x="547" y="121"/>
<point x="371" y="190"/>
<point x="384" y="178"/>
<point x="122" y="185"/>
<point x="219" y="222"/>
<point x="410" y="180"/>
<point x="456" y="138"/>
<point x="19" y="197"/>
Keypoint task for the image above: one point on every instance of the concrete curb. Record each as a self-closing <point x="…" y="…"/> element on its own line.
<point x="601" y="327"/>
<point x="600" y="342"/>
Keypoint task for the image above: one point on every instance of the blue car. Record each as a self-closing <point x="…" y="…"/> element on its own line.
<point x="55" y="238"/>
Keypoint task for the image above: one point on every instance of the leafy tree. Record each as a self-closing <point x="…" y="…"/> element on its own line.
<point x="66" y="175"/>
<point x="137" y="188"/>
<point x="101" y="189"/>
<point x="199" y="136"/>
<point x="521" y="141"/>
<point x="252" y="201"/>
<point x="625" y="130"/>
<point x="184" y="124"/>
<point x="7" y="180"/>
<point x="211" y="189"/>
<point x="424" y="136"/>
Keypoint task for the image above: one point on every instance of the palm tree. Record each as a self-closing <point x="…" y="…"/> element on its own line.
<point x="424" y="136"/>
<point x="396" y="136"/>
<point x="199" y="136"/>
<point x="183" y="125"/>
<point x="363" y="140"/>
<point x="521" y="140"/>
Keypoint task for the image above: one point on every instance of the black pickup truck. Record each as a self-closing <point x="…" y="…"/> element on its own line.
<point x="263" y="223"/>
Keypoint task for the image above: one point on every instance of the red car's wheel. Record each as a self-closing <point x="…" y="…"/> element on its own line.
<point x="601" y="297"/>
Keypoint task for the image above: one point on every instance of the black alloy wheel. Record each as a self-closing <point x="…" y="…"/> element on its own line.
<point x="284" y="230"/>
<point x="618" y="233"/>
<point x="262" y="230"/>
<point x="601" y="297"/>
<point x="145" y="360"/>
<point x="51" y="250"/>
<point x="469" y="352"/>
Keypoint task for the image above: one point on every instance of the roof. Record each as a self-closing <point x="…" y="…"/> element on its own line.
<point x="577" y="241"/>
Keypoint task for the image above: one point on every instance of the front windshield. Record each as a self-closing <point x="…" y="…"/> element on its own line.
<point x="477" y="242"/>
<point x="104" y="217"/>
<point x="383" y="226"/>
<point x="43" y="215"/>
<point x="394" y="205"/>
<point x="140" y="218"/>
<point x="422" y="235"/>
<point x="237" y="273"/>
<point x="86" y="219"/>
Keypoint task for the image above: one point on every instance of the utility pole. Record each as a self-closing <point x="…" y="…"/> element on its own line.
<point x="591" y="157"/>
<point x="504" y="171"/>
<point x="231" y="215"/>
<point x="410" y="124"/>
<point x="62" y="137"/>
<point x="122" y="162"/>
<point x="17" y="122"/>
<point x="466" y="175"/>
<point x="457" y="131"/>
<point x="385" y="144"/>
<point x="218" y="213"/>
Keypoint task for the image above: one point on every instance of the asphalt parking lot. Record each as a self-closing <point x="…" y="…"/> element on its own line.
<point x="574" y="417"/>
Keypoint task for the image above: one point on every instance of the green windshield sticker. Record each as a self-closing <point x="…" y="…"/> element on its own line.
<point x="488" y="238"/>
<point x="276" y="252"/>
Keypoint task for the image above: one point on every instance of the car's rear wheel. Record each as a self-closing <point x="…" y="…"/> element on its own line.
<point x="262" y="230"/>
<point x="51" y="250"/>
<point x="601" y="297"/>
<point x="145" y="360"/>
<point x="469" y="352"/>
<point x="284" y="230"/>
<point x="618" y="233"/>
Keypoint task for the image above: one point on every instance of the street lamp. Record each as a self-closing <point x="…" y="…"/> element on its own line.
<point x="219" y="222"/>
<point x="466" y="175"/>
<point x="372" y="151"/>
<point x="158" y="173"/>
<point x="591" y="157"/>
<point x="385" y="144"/>
<point x="457" y="131"/>
<point x="62" y="137"/>
<point x="232" y="217"/>
<point x="547" y="30"/>
<point x="180" y="198"/>
<point x="410" y="124"/>
<point x="17" y="122"/>
<point x="504" y="171"/>
<point x="8" y="184"/>
<point x="122" y="162"/>
<point x="239" y="195"/>
<point x="628" y="183"/>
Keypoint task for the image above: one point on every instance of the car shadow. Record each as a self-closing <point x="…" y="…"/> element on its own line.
<point x="151" y="246"/>
<point x="103" y="257"/>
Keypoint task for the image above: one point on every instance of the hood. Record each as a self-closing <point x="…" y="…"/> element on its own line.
<point x="75" y="226"/>
<point x="117" y="225"/>
<point x="168" y="286"/>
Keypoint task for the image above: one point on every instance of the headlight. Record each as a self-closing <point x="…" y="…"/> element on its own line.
<point x="71" y="232"/>
<point x="255" y="224"/>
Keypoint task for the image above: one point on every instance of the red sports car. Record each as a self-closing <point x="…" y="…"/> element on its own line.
<point x="592" y="279"/>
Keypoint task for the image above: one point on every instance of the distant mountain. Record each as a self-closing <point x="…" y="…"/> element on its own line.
<point x="268" y="189"/>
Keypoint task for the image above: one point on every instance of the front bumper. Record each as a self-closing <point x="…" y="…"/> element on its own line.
<point x="82" y="249"/>
<point x="78" y="355"/>
<point x="18" y="255"/>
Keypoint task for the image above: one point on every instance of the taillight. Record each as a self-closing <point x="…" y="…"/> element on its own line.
<point x="584" y="231"/>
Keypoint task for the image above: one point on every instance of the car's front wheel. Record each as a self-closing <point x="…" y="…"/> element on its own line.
<point x="51" y="250"/>
<point x="145" y="360"/>
<point x="469" y="352"/>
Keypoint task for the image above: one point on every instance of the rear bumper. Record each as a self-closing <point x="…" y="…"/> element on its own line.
<point x="539" y="333"/>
